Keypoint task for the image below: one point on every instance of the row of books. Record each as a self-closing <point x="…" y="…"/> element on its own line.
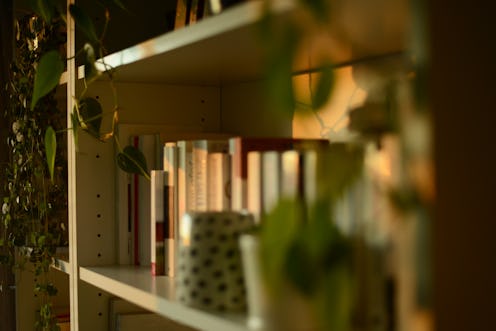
<point x="210" y="172"/>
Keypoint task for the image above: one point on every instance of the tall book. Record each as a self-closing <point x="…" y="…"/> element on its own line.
<point x="201" y="150"/>
<point x="239" y="148"/>
<point x="196" y="11"/>
<point x="185" y="194"/>
<point x="218" y="181"/>
<point x="254" y="185"/>
<point x="171" y="165"/>
<point x="149" y="145"/>
<point x="182" y="13"/>
<point x="158" y="209"/>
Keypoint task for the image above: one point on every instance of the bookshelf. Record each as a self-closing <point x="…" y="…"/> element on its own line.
<point x="206" y="76"/>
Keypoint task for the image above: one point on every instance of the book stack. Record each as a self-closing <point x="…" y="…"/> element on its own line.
<point x="185" y="170"/>
<point x="202" y="172"/>
<point x="241" y="147"/>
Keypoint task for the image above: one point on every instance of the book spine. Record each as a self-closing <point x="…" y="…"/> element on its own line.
<point x="182" y="13"/>
<point x="170" y="164"/>
<point x="219" y="182"/>
<point x="170" y="230"/>
<point x="254" y="185"/>
<point x="184" y="174"/>
<point x="193" y="13"/>
<point x="236" y="174"/>
<point x="199" y="202"/>
<point x="157" y="211"/>
<point x="291" y="185"/>
<point x="150" y="149"/>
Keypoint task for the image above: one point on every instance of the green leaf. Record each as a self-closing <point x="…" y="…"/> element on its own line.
<point x="83" y="23"/>
<point x="334" y="302"/>
<point x="340" y="166"/>
<point x="132" y="160"/>
<point x="324" y="87"/>
<point x="75" y="128"/>
<point x="90" y="70"/>
<point x="278" y="233"/>
<point x="47" y="76"/>
<point x="41" y="240"/>
<point x="91" y="113"/>
<point x="51" y="289"/>
<point x="50" y="149"/>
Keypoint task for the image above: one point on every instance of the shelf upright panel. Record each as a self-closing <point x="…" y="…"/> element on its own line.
<point x="70" y="76"/>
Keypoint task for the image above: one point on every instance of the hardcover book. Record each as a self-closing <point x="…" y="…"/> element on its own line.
<point x="239" y="148"/>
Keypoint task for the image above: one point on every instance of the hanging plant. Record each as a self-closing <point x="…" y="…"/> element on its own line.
<point x="34" y="212"/>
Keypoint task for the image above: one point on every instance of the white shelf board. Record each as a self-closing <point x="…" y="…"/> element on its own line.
<point x="218" y="49"/>
<point x="226" y="48"/>
<point x="157" y="294"/>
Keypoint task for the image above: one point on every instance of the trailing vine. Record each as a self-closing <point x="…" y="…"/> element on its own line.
<point x="34" y="213"/>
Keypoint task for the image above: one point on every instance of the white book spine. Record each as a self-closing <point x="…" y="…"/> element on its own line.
<point x="254" y="184"/>
<point x="185" y="189"/>
<point x="200" y="175"/>
<point x="148" y="146"/>
<point x="236" y="181"/>
<point x="219" y="179"/>
<point x="158" y="187"/>
<point x="290" y="166"/>
<point x="271" y="180"/>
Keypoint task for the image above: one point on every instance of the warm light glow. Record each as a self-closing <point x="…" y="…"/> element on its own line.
<point x="332" y="120"/>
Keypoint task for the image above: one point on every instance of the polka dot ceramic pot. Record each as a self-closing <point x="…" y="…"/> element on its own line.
<point x="210" y="274"/>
